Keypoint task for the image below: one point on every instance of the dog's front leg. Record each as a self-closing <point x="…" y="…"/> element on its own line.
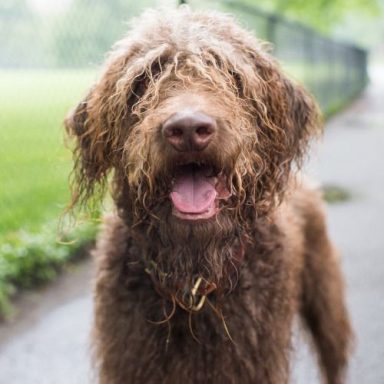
<point x="323" y="304"/>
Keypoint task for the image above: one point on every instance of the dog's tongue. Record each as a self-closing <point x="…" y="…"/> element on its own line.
<point x="193" y="192"/>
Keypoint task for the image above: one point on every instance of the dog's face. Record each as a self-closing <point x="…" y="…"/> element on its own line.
<point x="192" y="115"/>
<point x="198" y="125"/>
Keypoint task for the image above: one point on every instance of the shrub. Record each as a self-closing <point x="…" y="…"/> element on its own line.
<point x="29" y="259"/>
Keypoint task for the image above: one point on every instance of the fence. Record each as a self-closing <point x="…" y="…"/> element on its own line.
<point x="335" y="72"/>
<point x="81" y="34"/>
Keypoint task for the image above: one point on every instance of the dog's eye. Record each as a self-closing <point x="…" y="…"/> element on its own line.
<point x="141" y="83"/>
<point x="139" y="87"/>
<point x="238" y="83"/>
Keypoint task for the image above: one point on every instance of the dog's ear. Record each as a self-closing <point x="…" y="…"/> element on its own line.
<point x="289" y="120"/>
<point x="91" y="151"/>
<point x="299" y="119"/>
<point x="101" y="123"/>
<point x="97" y="127"/>
<point x="286" y="117"/>
<point x="286" y="114"/>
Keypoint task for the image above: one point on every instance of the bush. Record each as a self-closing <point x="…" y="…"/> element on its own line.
<point x="29" y="259"/>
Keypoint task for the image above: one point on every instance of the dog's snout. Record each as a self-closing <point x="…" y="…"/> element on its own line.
<point x="191" y="131"/>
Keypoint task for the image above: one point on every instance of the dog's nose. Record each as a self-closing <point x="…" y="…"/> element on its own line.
<point x="189" y="131"/>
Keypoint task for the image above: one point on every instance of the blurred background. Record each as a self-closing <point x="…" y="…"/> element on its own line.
<point x="52" y="51"/>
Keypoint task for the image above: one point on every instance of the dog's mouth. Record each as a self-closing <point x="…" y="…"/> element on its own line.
<point x="197" y="189"/>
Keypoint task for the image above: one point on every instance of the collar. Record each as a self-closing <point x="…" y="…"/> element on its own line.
<point x="193" y="300"/>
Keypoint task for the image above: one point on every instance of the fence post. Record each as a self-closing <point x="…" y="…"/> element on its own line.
<point x="271" y="28"/>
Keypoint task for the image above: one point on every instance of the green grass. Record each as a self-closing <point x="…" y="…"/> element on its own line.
<point x="34" y="169"/>
<point x="34" y="162"/>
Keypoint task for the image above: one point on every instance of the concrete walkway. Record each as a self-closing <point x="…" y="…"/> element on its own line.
<point x="48" y="344"/>
<point x="352" y="157"/>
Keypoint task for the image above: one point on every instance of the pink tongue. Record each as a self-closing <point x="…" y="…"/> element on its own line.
<point x="193" y="193"/>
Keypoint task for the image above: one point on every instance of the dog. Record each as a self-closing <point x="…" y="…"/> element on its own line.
<point x="215" y="243"/>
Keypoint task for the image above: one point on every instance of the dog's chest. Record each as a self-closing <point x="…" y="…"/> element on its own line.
<point x="215" y="345"/>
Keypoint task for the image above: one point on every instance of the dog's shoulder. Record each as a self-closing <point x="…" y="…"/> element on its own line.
<point x="112" y="238"/>
<point x="304" y="196"/>
<point x="303" y="204"/>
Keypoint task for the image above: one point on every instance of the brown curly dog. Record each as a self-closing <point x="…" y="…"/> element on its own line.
<point x="215" y="245"/>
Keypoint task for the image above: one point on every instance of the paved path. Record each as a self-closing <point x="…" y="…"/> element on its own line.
<point x="48" y="344"/>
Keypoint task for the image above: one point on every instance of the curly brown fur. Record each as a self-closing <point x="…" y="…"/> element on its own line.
<point x="264" y="256"/>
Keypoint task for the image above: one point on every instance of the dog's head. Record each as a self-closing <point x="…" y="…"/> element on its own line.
<point x="197" y="123"/>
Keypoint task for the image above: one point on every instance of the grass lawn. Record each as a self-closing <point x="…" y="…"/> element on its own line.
<point x="34" y="168"/>
<point x="34" y="164"/>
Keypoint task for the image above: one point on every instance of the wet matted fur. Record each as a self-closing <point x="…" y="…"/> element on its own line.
<point x="212" y="300"/>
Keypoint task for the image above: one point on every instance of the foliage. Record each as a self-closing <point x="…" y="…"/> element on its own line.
<point x="321" y="14"/>
<point x="33" y="175"/>
<point x="368" y="32"/>
<point x="28" y="259"/>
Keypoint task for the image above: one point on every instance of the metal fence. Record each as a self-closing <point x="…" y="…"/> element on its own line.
<point x="81" y="34"/>
<point x="335" y="72"/>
